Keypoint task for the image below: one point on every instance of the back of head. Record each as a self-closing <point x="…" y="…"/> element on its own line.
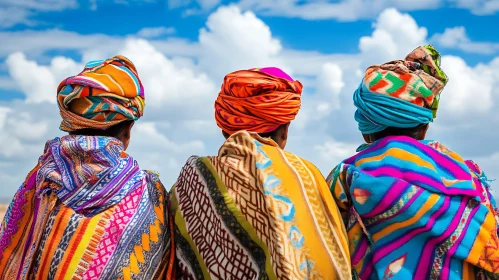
<point x="400" y="97"/>
<point x="103" y="100"/>
<point x="261" y="100"/>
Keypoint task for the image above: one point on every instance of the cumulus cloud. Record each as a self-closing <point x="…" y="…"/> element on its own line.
<point x="182" y="79"/>
<point x="395" y="35"/>
<point x="36" y="43"/>
<point x="456" y="38"/>
<point x="468" y="88"/>
<point x="329" y="85"/>
<point x="234" y="40"/>
<point x="39" y="83"/>
<point x="177" y="90"/>
<point x="335" y="151"/>
<point x="10" y="16"/>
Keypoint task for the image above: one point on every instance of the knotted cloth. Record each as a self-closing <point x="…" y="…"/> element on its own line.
<point x="104" y="94"/>
<point x="257" y="100"/>
<point x="401" y="93"/>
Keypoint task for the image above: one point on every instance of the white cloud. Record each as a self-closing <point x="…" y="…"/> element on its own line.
<point x="234" y="40"/>
<point x="155" y="32"/>
<point x="42" y="5"/>
<point x="469" y="90"/>
<point x="14" y="12"/>
<point x="395" y="36"/>
<point x="168" y="85"/>
<point x="10" y="16"/>
<point x="457" y="38"/>
<point x="478" y="7"/>
<point x="182" y="79"/>
<point x="39" y="83"/>
<point x="343" y="10"/>
<point x="92" y="46"/>
<point x="329" y="85"/>
<point x="16" y="128"/>
<point x="335" y="151"/>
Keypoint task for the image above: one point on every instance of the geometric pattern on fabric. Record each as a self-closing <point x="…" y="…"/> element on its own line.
<point x="329" y="234"/>
<point x="44" y="238"/>
<point x="119" y="219"/>
<point x="145" y="249"/>
<point x="104" y="94"/>
<point x="243" y="215"/>
<point x="415" y="209"/>
<point x="399" y="85"/>
<point x="418" y="79"/>
<point x="216" y="224"/>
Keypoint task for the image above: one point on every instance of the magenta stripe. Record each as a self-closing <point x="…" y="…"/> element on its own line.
<point x="424" y="263"/>
<point x="16" y="212"/>
<point x="452" y="250"/>
<point x="30" y="234"/>
<point x="378" y="145"/>
<point x="360" y="252"/>
<point x="444" y="161"/>
<point x="111" y="187"/>
<point x="394" y="172"/>
<point x="389" y="198"/>
<point x="407" y="205"/>
<point x="383" y="252"/>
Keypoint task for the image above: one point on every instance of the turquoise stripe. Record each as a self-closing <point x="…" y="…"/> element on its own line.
<point x="134" y="78"/>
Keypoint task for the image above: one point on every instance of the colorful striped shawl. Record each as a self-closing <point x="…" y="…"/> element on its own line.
<point x="87" y="211"/>
<point x="256" y="212"/>
<point x="416" y="210"/>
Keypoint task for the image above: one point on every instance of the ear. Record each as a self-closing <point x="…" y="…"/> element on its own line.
<point x="422" y="131"/>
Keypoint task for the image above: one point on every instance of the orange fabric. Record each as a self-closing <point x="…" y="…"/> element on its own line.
<point x="255" y="101"/>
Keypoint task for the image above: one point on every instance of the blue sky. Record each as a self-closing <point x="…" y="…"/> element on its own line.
<point x="183" y="48"/>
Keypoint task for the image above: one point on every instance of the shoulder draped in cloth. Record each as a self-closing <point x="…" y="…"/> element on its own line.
<point x="87" y="211"/>
<point x="416" y="210"/>
<point x="256" y="211"/>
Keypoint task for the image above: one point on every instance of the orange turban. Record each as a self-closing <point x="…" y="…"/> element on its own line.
<point x="257" y="100"/>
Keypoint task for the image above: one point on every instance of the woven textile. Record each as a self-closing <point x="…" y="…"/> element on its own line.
<point x="256" y="212"/>
<point x="87" y="211"/>
<point x="416" y="210"/>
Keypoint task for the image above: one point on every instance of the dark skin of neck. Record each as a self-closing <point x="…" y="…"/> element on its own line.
<point x="421" y="135"/>
<point x="281" y="135"/>
<point x="123" y="136"/>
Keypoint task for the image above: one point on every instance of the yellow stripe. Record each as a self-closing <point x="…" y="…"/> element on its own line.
<point x="331" y="208"/>
<point x="81" y="246"/>
<point x="481" y="240"/>
<point x="432" y="200"/>
<point x="400" y="154"/>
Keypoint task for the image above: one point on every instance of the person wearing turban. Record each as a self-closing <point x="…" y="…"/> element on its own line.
<point x="87" y="210"/>
<point x="256" y="211"/>
<point x="413" y="208"/>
